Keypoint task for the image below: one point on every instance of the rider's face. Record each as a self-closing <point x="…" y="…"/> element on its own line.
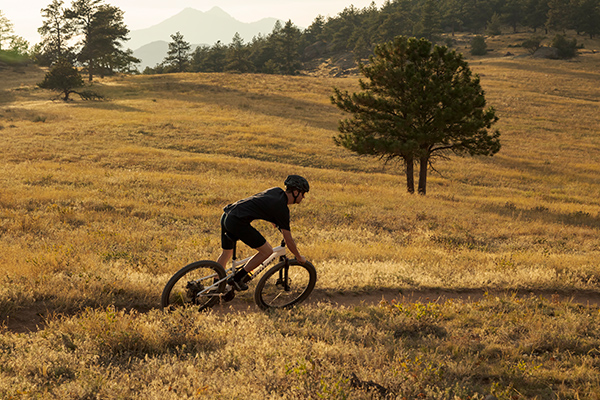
<point x="300" y="196"/>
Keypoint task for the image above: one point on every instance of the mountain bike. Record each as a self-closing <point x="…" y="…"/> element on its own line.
<point x="204" y="283"/>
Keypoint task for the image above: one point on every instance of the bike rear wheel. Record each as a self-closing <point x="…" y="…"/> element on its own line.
<point x="188" y="287"/>
<point x="279" y="288"/>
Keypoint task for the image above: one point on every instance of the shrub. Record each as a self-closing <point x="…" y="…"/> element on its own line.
<point x="63" y="78"/>
<point x="533" y="43"/>
<point x="566" y="48"/>
<point x="478" y="46"/>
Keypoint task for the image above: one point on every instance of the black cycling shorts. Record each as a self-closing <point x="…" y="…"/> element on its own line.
<point x="233" y="229"/>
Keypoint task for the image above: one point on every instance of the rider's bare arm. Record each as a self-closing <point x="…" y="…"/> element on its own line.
<point x="291" y="245"/>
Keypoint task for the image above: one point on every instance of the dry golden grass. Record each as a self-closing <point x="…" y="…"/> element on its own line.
<point x="102" y="201"/>
<point x="508" y="347"/>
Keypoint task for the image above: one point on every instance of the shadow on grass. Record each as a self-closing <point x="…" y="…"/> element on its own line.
<point x="549" y="70"/>
<point x="441" y="295"/>
<point x="551" y="169"/>
<point x="273" y="105"/>
<point x="34" y="316"/>
<point x="540" y="213"/>
<point x="106" y="105"/>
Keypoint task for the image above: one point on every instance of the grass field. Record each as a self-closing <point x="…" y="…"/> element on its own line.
<point x="103" y="201"/>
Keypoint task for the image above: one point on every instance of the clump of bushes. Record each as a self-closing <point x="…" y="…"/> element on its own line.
<point x="478" y="46"/>
<point x="566" y="48"/>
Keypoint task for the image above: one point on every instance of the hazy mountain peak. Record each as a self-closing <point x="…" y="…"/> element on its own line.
<point x="218" y="11"/>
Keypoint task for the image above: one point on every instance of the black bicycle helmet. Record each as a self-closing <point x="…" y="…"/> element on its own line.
<point x="296" y="182"/>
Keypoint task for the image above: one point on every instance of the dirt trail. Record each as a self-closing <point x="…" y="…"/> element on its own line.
<point x="34" y="318"/>
<point x="340" y="299"/>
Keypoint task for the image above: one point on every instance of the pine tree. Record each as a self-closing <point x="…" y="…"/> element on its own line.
<point x="536" y="12"/>
<point x="178" y="56"/>
<point x="63" y="77"/>
<point x="102" y="32"/>
<point x="216" y="59"/>
<point x="56" y="31"/>
<point x="419" y="102"/>
<point x="238" y="56"/>
<point x="429" y="22"/>
<point x="586" y="17"/>
<point x="513" y="14"/>
<point x="559" y="15"/>
<point x="494" y="26"/>
<point x="287" y="42"/>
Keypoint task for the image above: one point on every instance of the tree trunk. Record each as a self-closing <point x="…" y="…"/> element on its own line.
<point x="410" y="177"/>
<point x="91" y="70"/>
<point x="423" y="162"/>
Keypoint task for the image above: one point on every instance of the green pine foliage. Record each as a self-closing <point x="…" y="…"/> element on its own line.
<point x="90" y="33"/>
<point x="566" y="48"/>
<point x="418" y="102"/>
<point x="478" y="46"/>
<point x="63" y="78"/>
<point x="178" y="56"/>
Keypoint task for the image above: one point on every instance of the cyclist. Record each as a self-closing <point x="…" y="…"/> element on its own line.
<point x="270" y="205"/>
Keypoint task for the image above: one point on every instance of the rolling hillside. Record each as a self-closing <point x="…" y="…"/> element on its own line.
<point x="103" y="201"/>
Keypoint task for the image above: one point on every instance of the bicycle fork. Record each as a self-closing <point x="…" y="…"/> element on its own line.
<point x="284" y="279"/>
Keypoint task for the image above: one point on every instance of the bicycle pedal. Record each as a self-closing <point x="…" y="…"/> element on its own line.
<point x="229" y="296"/>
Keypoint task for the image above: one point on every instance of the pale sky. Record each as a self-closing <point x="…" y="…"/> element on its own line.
<point x="26" y="17"/>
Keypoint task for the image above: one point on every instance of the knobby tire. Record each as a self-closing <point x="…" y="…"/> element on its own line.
<point x="270" y="293"/>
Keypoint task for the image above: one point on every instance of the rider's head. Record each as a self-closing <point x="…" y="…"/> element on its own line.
<point x="296" y="185"/>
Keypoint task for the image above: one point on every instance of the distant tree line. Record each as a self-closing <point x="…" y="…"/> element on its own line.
<point x="360" y="30"/>
<point x="276" y="53"/>
<point x="91" y="34"/>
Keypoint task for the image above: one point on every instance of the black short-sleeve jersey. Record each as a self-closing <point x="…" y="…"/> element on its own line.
<point x="270" y="205"/>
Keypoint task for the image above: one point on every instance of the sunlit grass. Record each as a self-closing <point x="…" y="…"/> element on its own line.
<point x="166" y="153"/>
<point x="509" y="347"/>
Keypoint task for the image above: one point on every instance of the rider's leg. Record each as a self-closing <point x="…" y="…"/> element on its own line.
<point x="264" y="252"/>
<point x="239" y="279"/>
<point x="225" y="257"/>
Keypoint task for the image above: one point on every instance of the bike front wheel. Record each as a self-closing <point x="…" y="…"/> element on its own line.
<point x="200" y="283"/>
<point x="285" y="285"/>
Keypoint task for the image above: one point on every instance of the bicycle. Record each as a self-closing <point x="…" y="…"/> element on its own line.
<point x="204" y="283"/>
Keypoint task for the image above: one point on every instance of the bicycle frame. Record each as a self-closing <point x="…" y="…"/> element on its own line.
<point x="279" y="251"/>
